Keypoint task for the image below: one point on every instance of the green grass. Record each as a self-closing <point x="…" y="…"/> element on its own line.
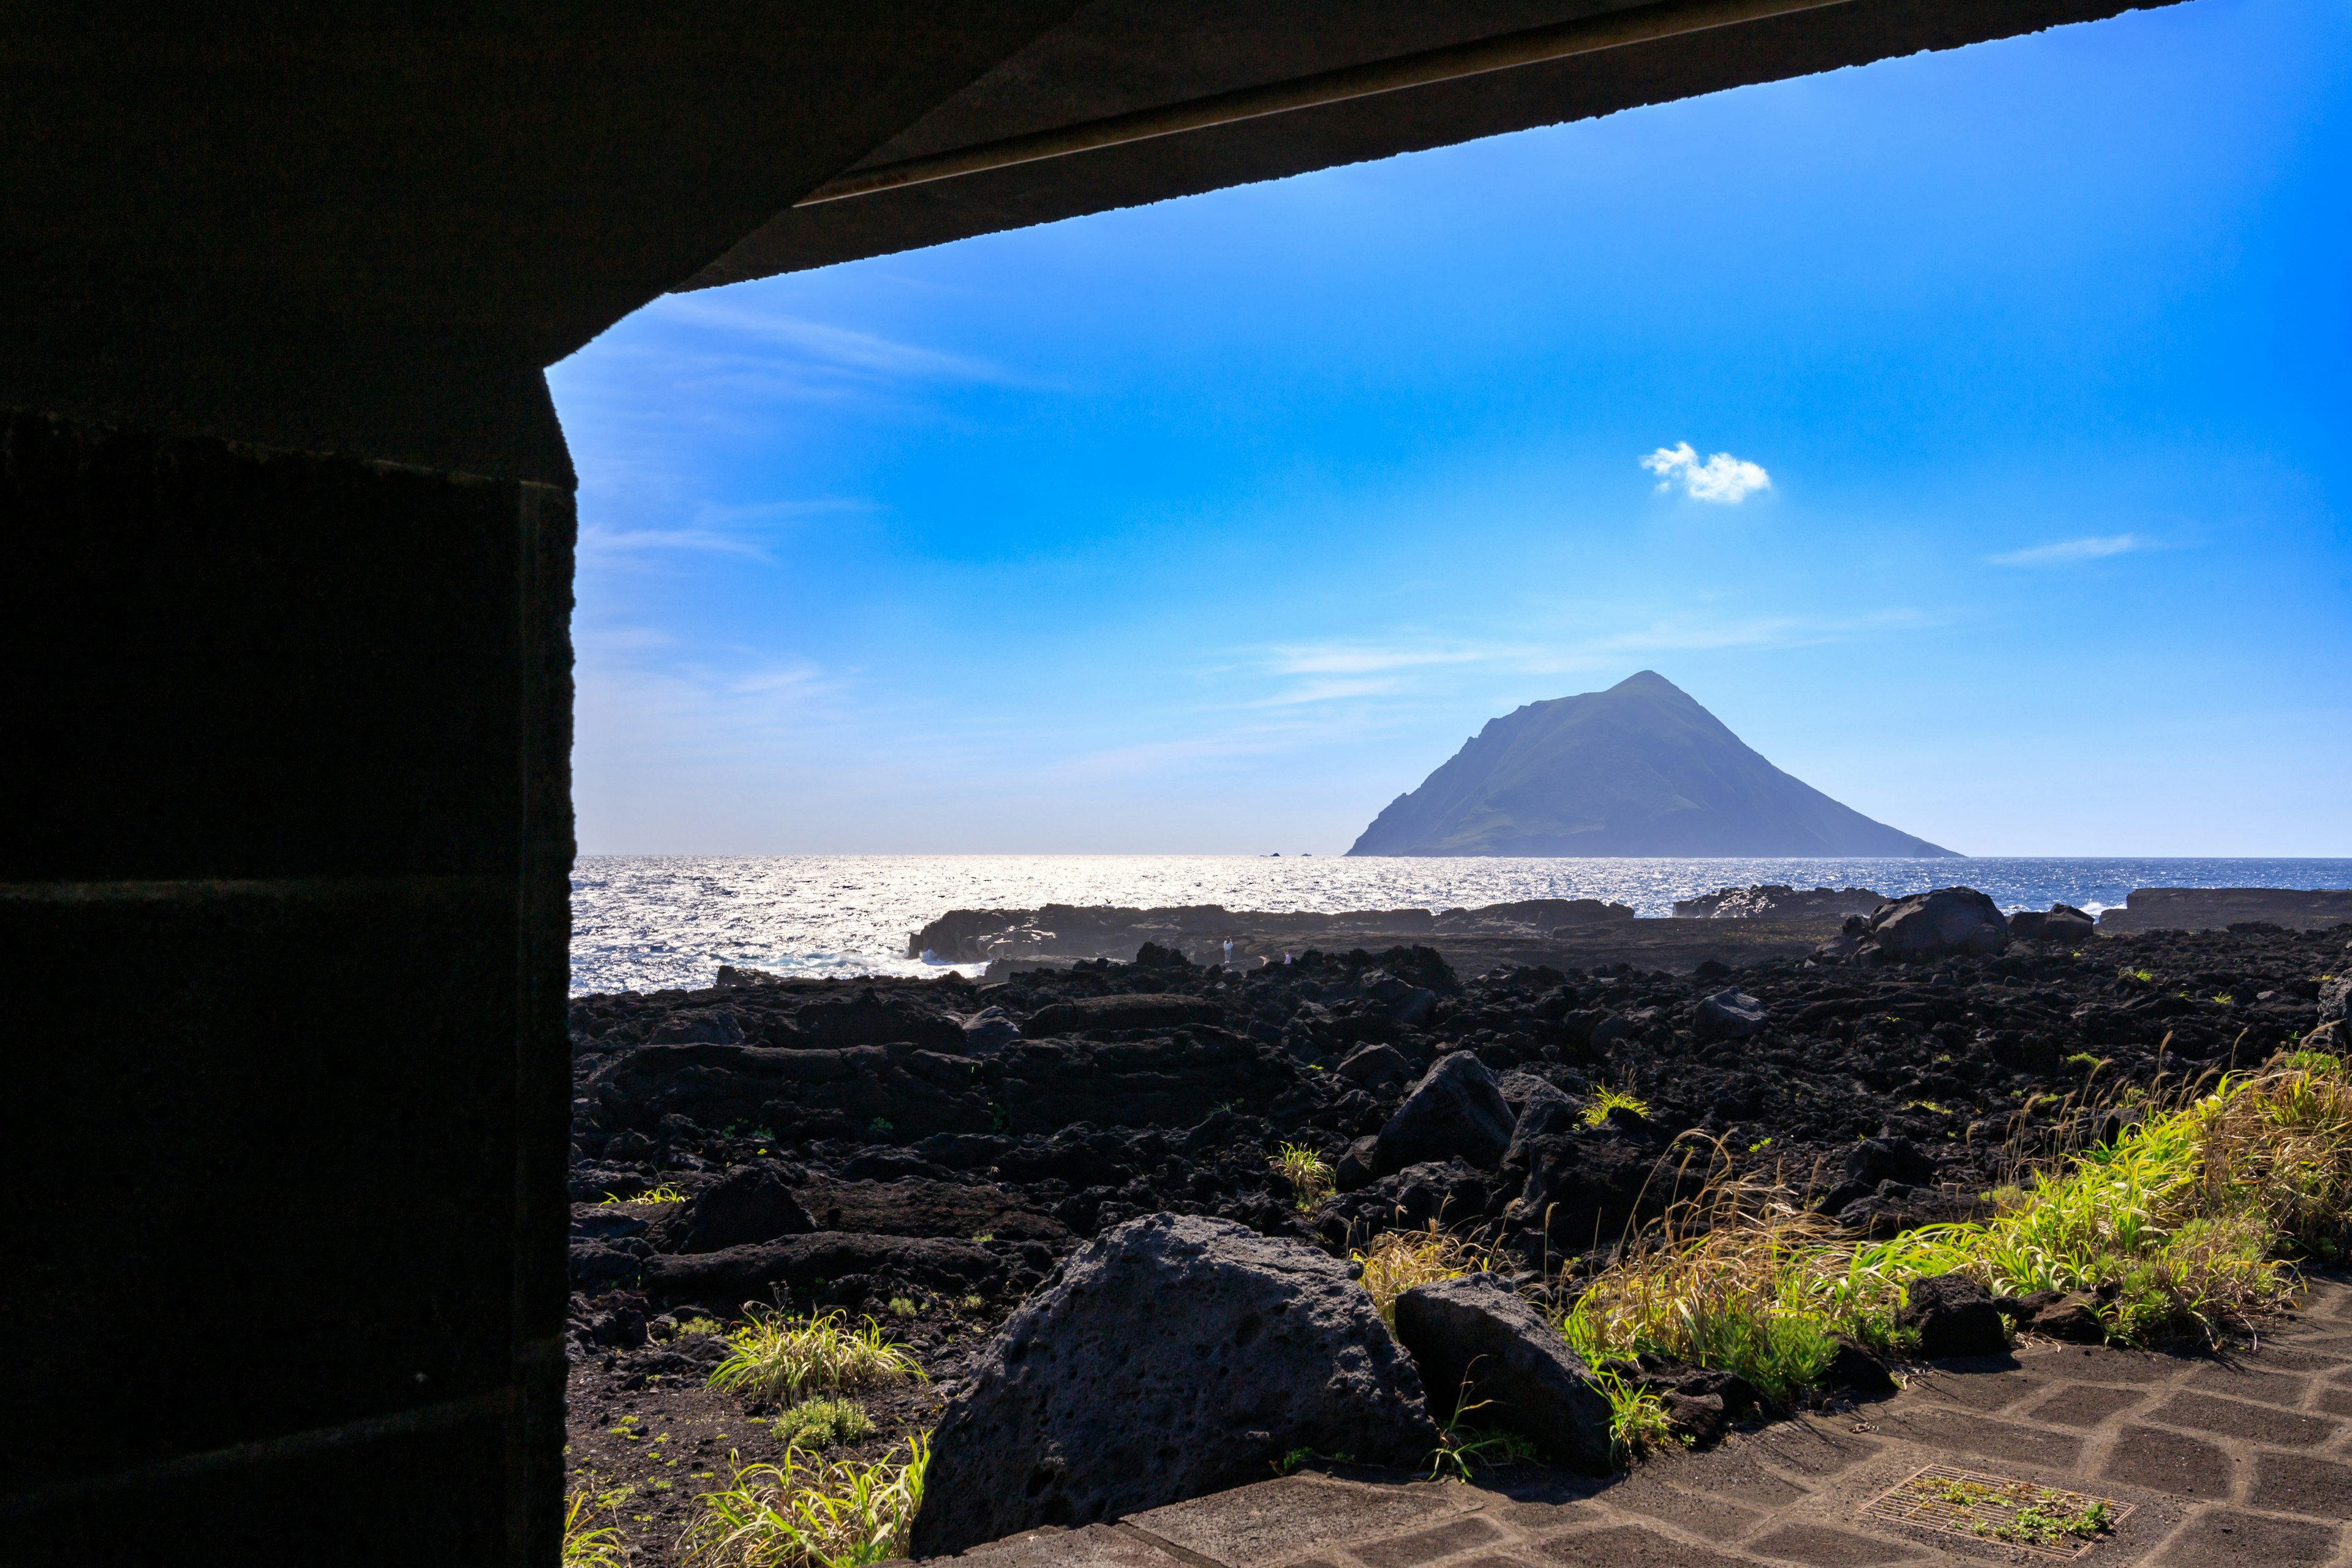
<point x="1308" y="1175"/>
<point x="821" y="1424"/>
<point x="586" y="1543"/>
<point x="1610" y="1100"/>
<point x="657" y="1195"/>
<point x="1638" y="1421"/>
<point x="903" y="1307"/>
<point x="811" y="1513"/>
<point x="2192" y="1217"/>
<point x="781" y="1358"/>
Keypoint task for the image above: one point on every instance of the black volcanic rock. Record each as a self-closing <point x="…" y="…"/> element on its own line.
<point x="1175" y="1356"/>
<point x="1639" y="769"/>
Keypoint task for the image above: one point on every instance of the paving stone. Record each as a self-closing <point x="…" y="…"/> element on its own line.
<point x="2275" y="1357"/>
<point x="1095" y="1546"/>
<point x="2335" y="1401"/>
<point x="1811" y="1447"/>
<point x="2278" y="1388"/>
<point x="2085" y="1405"/>
<point x="1448" y="1540"/>
<point x="2169" y="1462"/>
<point x="1535" y="1517"/>
<point x="2223" y="1538"/>
<point x="1734" y="1472"/>
<point x="1989" y="1387"/>
<point x="1281" y="1520"/>
<point x="1965" y="1432"/>
<point x="1694" y="1512"/>
<point x="1496" y="1560"/>
<point x="2255" y="1423"/>
<point x="1815" y="1543"/>
<point x="2298" y="1483"/>
<point x="1630" y="1546"/>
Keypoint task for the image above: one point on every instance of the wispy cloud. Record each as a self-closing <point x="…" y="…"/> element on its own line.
<point x="1356" y="658"/>
<point x="1722" y="478"/>
<point x="2066" y="552"/>
<point x="598" y="540"/>
<point x="845" y="348"/>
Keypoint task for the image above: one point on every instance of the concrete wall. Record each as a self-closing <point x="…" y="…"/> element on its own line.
<point x="285" y="918"/>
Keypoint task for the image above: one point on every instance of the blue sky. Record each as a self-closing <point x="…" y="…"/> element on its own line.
<point x="1214" y="525"/>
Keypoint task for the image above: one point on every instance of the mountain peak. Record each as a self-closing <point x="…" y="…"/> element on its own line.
<point x="1639" y="769"/>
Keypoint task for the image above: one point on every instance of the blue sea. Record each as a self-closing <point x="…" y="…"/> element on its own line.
<point x="643" y="922"/>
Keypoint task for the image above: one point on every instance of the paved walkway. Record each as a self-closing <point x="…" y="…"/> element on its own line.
<point x="2245" y="1465"/>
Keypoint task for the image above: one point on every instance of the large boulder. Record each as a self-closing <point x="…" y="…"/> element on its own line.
<point x="2060" y="922"/>
<point x="2335" y="999"/>
<point x="1953" y="1316"/>
<point x="1176" y="1356"/>
<point x="1731" y="1015"/>
<point x="1456" y="1108"/>
<point x="752" y="1202"/>
<point x="1947" y="923"/>
<point x="1586" y="1186"/>
<point x="1483" y="1349"/>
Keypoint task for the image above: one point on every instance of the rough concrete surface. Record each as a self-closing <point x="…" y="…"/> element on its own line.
<point x="2242" y="1461"/>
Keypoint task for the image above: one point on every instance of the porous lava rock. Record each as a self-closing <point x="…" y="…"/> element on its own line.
<point x="1485" y="1349"/>
<point x="1176" y="1356"/>
<point x="1953" y="1316"/>
<point x="753" y="1202"/>
<point x="1946" y="923"/>
<point x="1730" y="1015"/>
<point x="1149" y="1011"/>
<point x="1456" y="1109"/>
<point x="2060" y="922"/>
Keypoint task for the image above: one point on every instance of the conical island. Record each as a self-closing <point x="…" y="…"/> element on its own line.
<point x="1639" y="769"/>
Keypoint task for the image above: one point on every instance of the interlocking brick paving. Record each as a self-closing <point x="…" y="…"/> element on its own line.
<point x="2298" y="1483"/>
<point x="2170" y="1462"/>
<point x="1814" y="1543"/>
<point x="1429" y="1545"/>
<point x="2237" y="1418"/>
<point x="2085" y="1405"/>
<point x="2238" y="1463"/>
<point x="2224" y="1538"/>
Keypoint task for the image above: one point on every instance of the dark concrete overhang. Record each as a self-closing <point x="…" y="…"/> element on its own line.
<point x="1139" y="100"/>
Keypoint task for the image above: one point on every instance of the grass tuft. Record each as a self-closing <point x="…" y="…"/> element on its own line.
<point x="664" y="1195"/>
<point x="1397" y="1260"/>
<point x="812" y="1513"/>
<point x="781" y="1358"/>
<point x="822" y="1423"/>
<point x="1308" y="1175"/>
<point x="586" y="1543"/>
<point x="1610" y="1100"/>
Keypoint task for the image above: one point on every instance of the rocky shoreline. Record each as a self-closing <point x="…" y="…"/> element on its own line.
<point x="933" y="1152"/>
<point x="1731" y="926"/>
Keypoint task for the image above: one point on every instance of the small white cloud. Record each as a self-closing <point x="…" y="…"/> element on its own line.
<point x="1722" y="478"/>
<point x="2068" y="550"/>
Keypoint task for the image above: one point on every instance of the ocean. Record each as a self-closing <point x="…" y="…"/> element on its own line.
<point x="645" y="922"/>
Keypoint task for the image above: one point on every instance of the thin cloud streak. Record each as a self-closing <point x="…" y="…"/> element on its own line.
<point x="2066" y="552"/>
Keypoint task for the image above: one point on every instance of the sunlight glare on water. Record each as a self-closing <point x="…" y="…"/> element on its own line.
<point x="645" y="922"/>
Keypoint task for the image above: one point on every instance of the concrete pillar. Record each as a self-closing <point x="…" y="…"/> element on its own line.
<point x="284" y="915"/>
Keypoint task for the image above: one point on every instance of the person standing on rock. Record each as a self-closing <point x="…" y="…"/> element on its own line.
<point x="1229" y="952"/>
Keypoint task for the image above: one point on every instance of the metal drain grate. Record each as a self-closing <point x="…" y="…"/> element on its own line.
<point x="2045" y="1520"/>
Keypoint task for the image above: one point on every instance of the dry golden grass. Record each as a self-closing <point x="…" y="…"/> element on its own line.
<point x="1397" y="1260"/>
